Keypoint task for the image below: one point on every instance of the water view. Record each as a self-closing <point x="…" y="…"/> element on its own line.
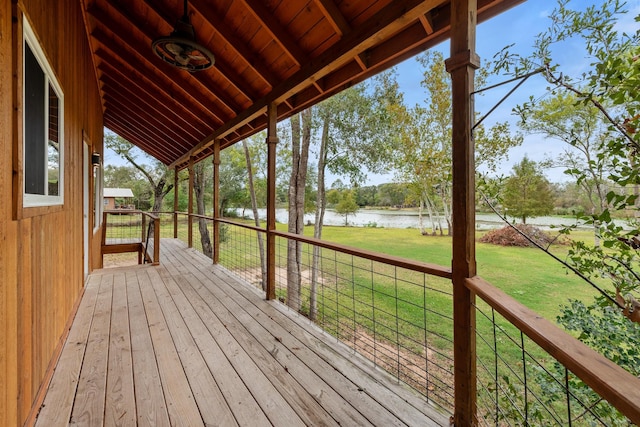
<point x="388" y="218"/>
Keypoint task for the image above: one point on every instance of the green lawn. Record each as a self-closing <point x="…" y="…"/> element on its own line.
<point x="527" y="274"/>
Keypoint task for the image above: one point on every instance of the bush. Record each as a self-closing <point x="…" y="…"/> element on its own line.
<point x="507" y="236"/>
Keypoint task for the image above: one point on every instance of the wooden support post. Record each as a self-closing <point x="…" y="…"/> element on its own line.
<point x="143" y="240"/>
<point x="216" y="201"/>
<point x="156" y="240"/>
<point x="190" y="207"/>
<point x="272" y="141"/>
<point x="175" y="203"/>
<point x="462" y="66"/>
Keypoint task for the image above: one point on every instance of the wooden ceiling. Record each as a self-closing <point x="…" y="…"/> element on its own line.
<point x="291" y="52"/>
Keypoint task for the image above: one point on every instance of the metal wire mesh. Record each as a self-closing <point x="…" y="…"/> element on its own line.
<point x="123" y="227"/>
<point x="398" y="318"/>
<point x="240" y="252"/>
<point x="521" y="384"/>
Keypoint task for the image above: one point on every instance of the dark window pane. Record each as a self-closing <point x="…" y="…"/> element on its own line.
<point x="34" y="131"/>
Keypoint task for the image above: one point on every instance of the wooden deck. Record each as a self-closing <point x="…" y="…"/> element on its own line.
<point x="186" y="343"/>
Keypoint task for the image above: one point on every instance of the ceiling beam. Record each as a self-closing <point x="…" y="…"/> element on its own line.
<point x="251" y="59"/>
<point x="277" y="31"/>
<point x="334" y="16"/>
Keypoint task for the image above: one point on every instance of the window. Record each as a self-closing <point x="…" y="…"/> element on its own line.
<point x="43" y="124"/>
<point x="97" y="197"/>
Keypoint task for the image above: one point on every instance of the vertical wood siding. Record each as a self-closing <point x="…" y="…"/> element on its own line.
<point x="41" y="257"/>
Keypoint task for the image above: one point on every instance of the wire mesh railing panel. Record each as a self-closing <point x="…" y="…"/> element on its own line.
<point x="240" y="253"/>
<point x="398" y="318"/>
<point x="166" y="224"/>
<point x="183" y="227"/>
<point x="123" y="227"/>
<point x="520" y="384"/>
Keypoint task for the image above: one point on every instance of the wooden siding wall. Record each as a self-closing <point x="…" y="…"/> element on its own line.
<point x="41" y="257"/>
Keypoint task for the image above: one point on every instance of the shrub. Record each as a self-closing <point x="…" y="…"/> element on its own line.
<point x="507" y="236"/>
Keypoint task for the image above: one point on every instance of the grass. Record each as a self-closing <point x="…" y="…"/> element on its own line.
<point x="527" y="274"/>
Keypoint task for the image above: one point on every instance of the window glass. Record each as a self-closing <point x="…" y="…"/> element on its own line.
<point x="43" y="149"/>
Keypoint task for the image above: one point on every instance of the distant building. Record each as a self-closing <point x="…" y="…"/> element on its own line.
<point x="118" y="198"/>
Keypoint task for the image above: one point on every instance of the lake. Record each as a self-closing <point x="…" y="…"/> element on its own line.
<point x="389" y="218"/>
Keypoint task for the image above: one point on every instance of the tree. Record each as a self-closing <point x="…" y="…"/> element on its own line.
<point x="203" y="170"/>
<point x="609" y="84"/>
<point x="347" y="205"/>
<point x="233" y="174"/>
<point x="527" y="193"/>
<point x="423" y="157"/>
<point x="581" y="128"/>
<point x="300" y="142"/>
<point x="157" y="174"/>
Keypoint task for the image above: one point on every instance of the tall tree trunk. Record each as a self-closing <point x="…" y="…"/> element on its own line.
<point x="420" y="218"/>
<point x="198" y="187"/>
<point x="300" y="141"/>
<point x="321" y="203"/>
<point x="254" y="207"/>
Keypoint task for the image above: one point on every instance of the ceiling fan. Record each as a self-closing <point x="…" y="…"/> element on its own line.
<point x="180" y="48"/>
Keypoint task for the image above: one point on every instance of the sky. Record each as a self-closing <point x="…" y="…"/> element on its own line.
<point x="518" y="26"/>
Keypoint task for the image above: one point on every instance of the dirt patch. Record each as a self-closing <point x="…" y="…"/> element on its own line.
<point x="120" y="260"/>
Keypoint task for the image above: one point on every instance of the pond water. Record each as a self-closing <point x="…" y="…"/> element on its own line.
<point x="389" y="218"/>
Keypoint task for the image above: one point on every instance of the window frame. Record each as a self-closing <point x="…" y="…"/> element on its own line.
<point x="30" y="200"/>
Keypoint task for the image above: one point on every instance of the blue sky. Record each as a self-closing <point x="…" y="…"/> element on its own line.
<point x="518" y="25"/>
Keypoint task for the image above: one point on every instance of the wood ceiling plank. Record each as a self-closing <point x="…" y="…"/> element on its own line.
<point x="252" y="60"/>
<point x="166" y="90"/>
<point x="140" y="88"/>
<point x="198" y="82"/>
<point x="231" y="76"/>
<point x="155" y="109"/>
<point x="134" y="137"/>
<point x="277" y="30"/>
<point x="163" y="131"/>
<point x="150" y="69"/>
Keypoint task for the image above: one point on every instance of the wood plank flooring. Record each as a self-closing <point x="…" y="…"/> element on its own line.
<point x="188" y="344"/>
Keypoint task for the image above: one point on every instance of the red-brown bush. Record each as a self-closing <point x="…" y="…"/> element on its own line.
<point x="507" y="236"/>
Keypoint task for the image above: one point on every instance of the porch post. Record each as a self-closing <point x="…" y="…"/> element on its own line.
<point x="190" y="207"/>
<point x="175" y="202"/>
<point x="462" y="65"/>
<point x="216" y="201"/>
<point x="272" y="140"/>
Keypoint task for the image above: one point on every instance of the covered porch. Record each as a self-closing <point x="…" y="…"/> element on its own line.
<point x="189" y="343"/>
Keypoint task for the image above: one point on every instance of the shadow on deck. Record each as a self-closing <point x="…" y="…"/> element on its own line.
<point x="187" y="343"/>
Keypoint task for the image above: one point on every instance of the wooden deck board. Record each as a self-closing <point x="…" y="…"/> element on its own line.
<point x="62" y="390"/>
<point x="187" y="343"/>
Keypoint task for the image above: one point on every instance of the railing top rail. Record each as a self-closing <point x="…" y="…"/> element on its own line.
<point x="152" y="215"/>
<point x="609" y="380"/>
<point x="119" y="211"/>
<point x="239" y="224"/>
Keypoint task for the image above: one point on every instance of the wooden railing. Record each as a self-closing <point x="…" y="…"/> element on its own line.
<point x="539" y="342"/>
<point x="132" y="231"/>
